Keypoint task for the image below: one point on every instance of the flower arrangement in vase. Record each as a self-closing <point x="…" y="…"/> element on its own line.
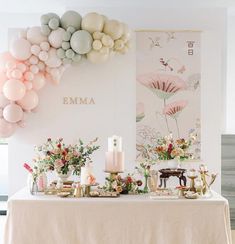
<point x="64" y="159"/>
<point x="174" y="151"/>
<point x="144" y="169"/>
<point x="37" y="180"/>
<point x="121" y="185"/>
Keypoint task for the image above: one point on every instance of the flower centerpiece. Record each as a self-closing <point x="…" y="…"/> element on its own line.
<point x="64" y="159"/>
<point x="168" y="149"/>
<point x="121" y="185"/>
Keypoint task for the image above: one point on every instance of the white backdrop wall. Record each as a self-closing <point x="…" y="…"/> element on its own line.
<point x="112" y="85"/>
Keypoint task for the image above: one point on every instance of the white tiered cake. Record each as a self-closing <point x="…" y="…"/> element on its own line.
<point x="87" y="177"/>
<point x="114" y="158"/>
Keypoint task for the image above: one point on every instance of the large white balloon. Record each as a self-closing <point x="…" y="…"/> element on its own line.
<point x="35" y="36"/>
<point x="71" y="19"/>
<point x="92" y="22"/>
<point x="56" y="37"/>
<point x="53" y="60"/>
<point x="20" y="49"/>
<point x="3" y="101"/>
<point x="3" y="79"/>
<point x="81" y="42"/>
<point x="38" y="81"/>
<point x="113" y="28"/>
<point x="12" y="113"/>
<point x="29" y="101"/>
<point x="97" y="57"/>
<point x="6" y="129"/>
<point x="14" y="90"/>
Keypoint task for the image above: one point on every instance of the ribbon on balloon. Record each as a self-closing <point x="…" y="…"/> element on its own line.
<point x="41" y="54"/>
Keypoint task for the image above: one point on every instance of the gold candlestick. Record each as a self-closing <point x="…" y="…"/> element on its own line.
<point x="192" y="183"/>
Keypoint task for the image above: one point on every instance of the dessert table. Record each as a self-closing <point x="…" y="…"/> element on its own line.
<point x="128" y="219"/>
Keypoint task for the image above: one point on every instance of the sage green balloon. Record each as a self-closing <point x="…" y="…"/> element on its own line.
<point x="66" y="36"/>
<point x="69" y="53"/>
<point x="65" y="45"/>
<point x="81" y="42"/>
<point x="67" y="61"/>
<point x="45" y="30"/>
<point x="45" y="19"/>
<point x="77" y="58"/>
<point x="54" y="23"/>
<point x="71" y="29"/>
<point x="60" y="53"/>
<point x="53" y="15"/>
<point x="71" y="18"/>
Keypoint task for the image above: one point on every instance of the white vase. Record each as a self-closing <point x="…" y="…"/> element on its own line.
<point x="172" y="164"/>
<point x="64" y="177"/>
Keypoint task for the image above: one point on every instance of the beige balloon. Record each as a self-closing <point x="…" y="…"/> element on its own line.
<point x="97" y="45"/>
<point x="92" y="22"/>
<point x="126" y="32"/>
<point x="97" y="57"/>
<point x="104" y="50"/>
<point x="113" y="28"/>
<point x="98" y="35"/>
<point x="107" y="41"/>
<point x="119" y="45"/>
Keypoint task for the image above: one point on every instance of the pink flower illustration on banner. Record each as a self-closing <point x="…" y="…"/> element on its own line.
<point x="139" y="112"/>
<point x="173" y="110"/>
<point x="163" y="85"/>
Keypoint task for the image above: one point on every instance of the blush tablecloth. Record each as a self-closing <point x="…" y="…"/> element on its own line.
<point x="126" y="220"/>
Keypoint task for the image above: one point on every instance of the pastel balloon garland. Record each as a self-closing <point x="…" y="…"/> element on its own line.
<point x="42" y="53"/>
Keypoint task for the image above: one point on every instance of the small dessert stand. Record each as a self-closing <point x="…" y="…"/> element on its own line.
<point x="192" y="183"/>
<point x="88" y="189"/>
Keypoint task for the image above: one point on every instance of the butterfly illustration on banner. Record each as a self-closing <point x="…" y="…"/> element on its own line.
<point x="155" y="42"/>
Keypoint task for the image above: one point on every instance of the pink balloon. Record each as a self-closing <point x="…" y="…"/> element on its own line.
<point x="33" y="59"/>
<point x="43" y="55"/>
<point x="4" y="58"/>
<point x="10" y="65"/>
<point x="14" y="90"/>
<point x="8" y="74"/>
<point x="6" y="129"/>
<point x="16" y="74"/>
<point x="29" y="76"/>
<point x="38" y="81"/>
<point x="3" y="101"/>
<point x="35" y="49"/>
<point x="29" y="101"/>
<point x="28" y="85"/>
<point x="12" y="113"/>
<point x="34" y="69"/>
<point x="21" y="124"/>
<point x="22" y="67"/>
<point x="50" y="79"/>
<point x="1" y="112"/>
<point x="53" y="60"/>
<point x="3" y="79"/>
<point x="20" y="49"/>
<point x="41" y="66"/>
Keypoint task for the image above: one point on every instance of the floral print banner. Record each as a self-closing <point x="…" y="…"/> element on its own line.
<point x="168" y="86"/>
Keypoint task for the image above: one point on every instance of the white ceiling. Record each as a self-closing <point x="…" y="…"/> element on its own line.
<point x="40" y="6"/>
